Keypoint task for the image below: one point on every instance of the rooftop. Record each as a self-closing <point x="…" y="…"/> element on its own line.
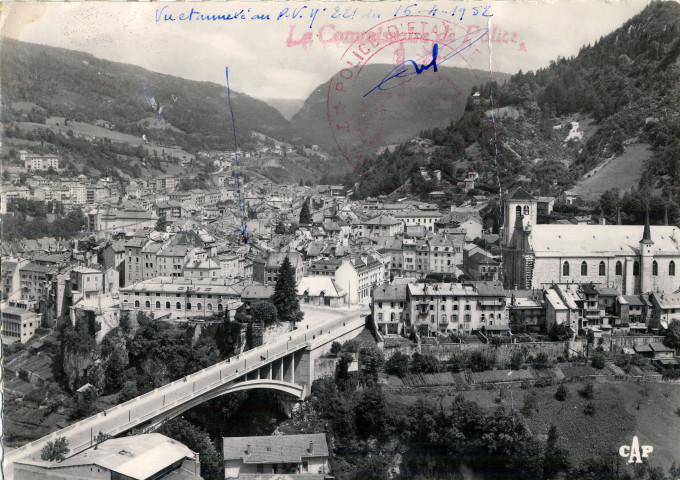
<point x="275" y="449"/>
<point x="138" y="456"/>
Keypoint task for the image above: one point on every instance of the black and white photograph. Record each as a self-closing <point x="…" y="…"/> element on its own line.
<point x="354" y="240"/>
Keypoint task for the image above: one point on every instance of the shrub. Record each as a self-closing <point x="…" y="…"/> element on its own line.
<point x="589" y="409"/>
<point x="541" y="361"/>
<point x="561" y="393"/>
<point x="598" y="361"/>
<point x="336" y="348"/>
<point x="516" y="360"/>
<point x="530" y="404"/>
<point x="587" y="392"/>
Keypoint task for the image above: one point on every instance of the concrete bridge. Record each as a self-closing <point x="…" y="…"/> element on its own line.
<point x="286" y="365"/>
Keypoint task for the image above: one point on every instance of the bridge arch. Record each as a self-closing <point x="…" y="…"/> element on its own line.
<point x="293" y="389"/>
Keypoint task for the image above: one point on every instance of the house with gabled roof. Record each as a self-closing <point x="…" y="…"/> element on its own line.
<point x="302" y="456"/>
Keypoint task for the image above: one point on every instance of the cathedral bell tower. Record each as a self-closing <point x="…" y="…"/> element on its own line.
<point x="646" y="257"/>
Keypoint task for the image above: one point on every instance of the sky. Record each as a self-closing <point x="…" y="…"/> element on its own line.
<point x="263" y="57"/>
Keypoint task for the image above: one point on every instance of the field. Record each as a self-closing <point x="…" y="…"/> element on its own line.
<point x="89" y="131"/>
<point x="614" y="423"/>
<point x="620" y="172"/>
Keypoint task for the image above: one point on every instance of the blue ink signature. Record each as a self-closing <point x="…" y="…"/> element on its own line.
<point x="410" y="69"/>
<point x="243" y="228"/>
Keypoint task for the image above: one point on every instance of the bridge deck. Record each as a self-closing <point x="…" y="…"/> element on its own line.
<point x="169" y="397"/>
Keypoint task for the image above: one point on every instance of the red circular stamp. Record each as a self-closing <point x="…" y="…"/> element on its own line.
<point x="363" y="102"/>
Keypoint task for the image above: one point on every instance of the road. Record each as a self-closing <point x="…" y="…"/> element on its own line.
<point x="135" y="412"/>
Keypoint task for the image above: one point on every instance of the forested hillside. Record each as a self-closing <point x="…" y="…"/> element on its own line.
<point x="623" y="90"/>
<point x="81" y="87"/>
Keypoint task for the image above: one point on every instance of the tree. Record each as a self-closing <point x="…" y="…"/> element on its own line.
<point x="285" y="294"/>
<point x="561" y="393"/>
<point x="55" y="451"/>
<point x="161" y="224"/>
<point x="280" y="228"/>
<point x="426" y="363"/>
<point x="530" y="404"/>
<point x="305" y="214"/>
<point x="199" y="441"/>
<point x="371" y="360"/>
<point x="264" y="312"/>
<point x="598" y="361"/>
<point x="672" y="335"/>
<point x="100" y="438"/>
<point x="516" y="360"/>
<point x="125" y="324"/>
<point x="397" y="365"/>
<point x="555" y="459"/>
<point x="336" y="348"/>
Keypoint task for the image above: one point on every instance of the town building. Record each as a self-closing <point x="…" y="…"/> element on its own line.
<point x="357" y="274"/>
<point x="321" y="290"/>
<point x="389" y="304"/>
<point x="278" y="456"/>
<point x="33" y="162"/>
<point x="630" y="258"/>
<point x="380" y="226"/>
<point x="181" y="297"/>
<point x="137" y="457"/>
<point x="18" y="324"/>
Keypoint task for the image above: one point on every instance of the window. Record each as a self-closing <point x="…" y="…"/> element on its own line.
<point x="136" y="303"/>
<point x="188" y="306"/>
<point x="518" y="210"/>
<point x="147" y="304"/>
<point x="380" y="317"/>
<point x="636" y="268"/>
<point x="655" y="268"/>
<point x="468" y="318"/>
<point x="209" y="307"/>
<point x="178" y="306"/>
<point x="432" y="318"/>
<point x="601" y="269"/>
<point x="158" y="304"/>
<point x="454" y="318"/>
<point x="619" y="268"/>
<point x="379" y="304"/>
<point x="443" y="307"/>
<point x="443" y="320"/>
<point x="565" y="269"/>
<point x="219" y="307"/>
<point x="467" y="307"/>
<point x="671" y="268"/>
<point x="198" y="306"/>
<point x="167" y="305"/>
<point x="526" y="210"/>
<point x="584" y="268"/>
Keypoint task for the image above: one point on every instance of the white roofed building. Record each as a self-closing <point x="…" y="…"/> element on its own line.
<point x="138" y="457"/>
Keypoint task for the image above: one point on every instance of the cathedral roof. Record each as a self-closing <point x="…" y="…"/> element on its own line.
<point x="601" y="240"/>
<point x="519" y="194"/>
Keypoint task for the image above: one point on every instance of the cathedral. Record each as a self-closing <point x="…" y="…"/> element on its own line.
<point x="631" y="258"/>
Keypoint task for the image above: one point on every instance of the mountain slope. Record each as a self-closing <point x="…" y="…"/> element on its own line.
<point x="82" y="87"/>
<point x="430" y="100"/>
<point x="624" y="89"/>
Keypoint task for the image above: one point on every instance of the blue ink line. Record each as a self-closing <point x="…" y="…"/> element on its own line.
<point x="402" y="71"/>
<point x="238" y="182"/>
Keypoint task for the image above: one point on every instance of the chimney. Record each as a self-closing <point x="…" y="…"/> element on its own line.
<point x="248" y="449"/>
<point x="603" y="221"/>
<point x="311" y="447"/>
